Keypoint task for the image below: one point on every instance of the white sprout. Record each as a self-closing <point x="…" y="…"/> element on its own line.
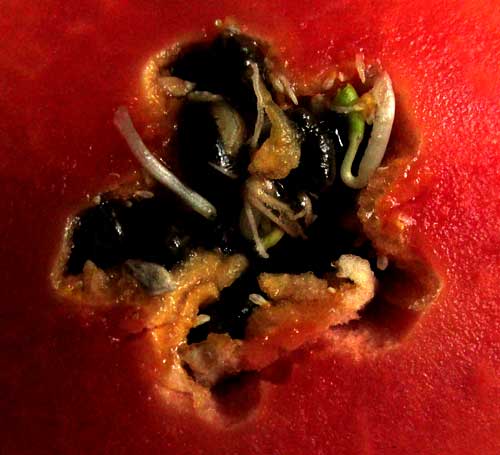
<point x="259" y="197"/>
<point x="223" y="171"/>
<point x="328" y="84"/>
<point x="201" y="319"/>
<point x="289" y="90"/>
<point x="204" y="97"/>
<point x="198" y="203"/>
<point x="259" y="122"/>
<point x="309" y="216"/>
<point x="259" y="246"/>
<point x="258" y="300"/>
<point x="348" y="109"/>
<point x="144" y="194"/>
<point x="360" y="67"/>
<point x="277" y="84"/>
<point x="383" y="95"/>
<point x="293" y="230"/>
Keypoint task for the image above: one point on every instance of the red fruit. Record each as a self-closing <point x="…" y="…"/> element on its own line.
<point x="70" y="387"/>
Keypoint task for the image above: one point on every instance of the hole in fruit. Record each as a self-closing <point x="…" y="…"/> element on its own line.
<point x="236" y="397"/>
<point x="264" y="232"/>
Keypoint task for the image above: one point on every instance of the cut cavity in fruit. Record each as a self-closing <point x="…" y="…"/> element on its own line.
<point x="264" y="232"/>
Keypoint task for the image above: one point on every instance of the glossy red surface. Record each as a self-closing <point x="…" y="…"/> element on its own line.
<point x="70" y="387"/>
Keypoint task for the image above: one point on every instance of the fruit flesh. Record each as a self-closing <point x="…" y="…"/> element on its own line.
<point x="73" y="388"/>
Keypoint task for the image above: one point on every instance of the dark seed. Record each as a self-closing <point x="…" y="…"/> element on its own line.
<point x="316" y="170"/>
<point x="159" y="230"/>
<point x="206" y="163"/>
<point x="99" y="236"/>
<point x="115" y="230"/>
<point x="177" y="243"/>
<point x="225" y="236"/>
<point x="222" y="67"/>
<point x="336" y="126"/>
<point x="230" y="313"/>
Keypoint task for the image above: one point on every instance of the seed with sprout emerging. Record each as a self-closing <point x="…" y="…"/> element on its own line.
<point x="261" y="194"/>
<point x="383" y="96"/>
<point x="346" y="98"/>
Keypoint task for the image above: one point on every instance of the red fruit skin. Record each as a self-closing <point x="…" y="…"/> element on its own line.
<point x="72" y="388"/>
